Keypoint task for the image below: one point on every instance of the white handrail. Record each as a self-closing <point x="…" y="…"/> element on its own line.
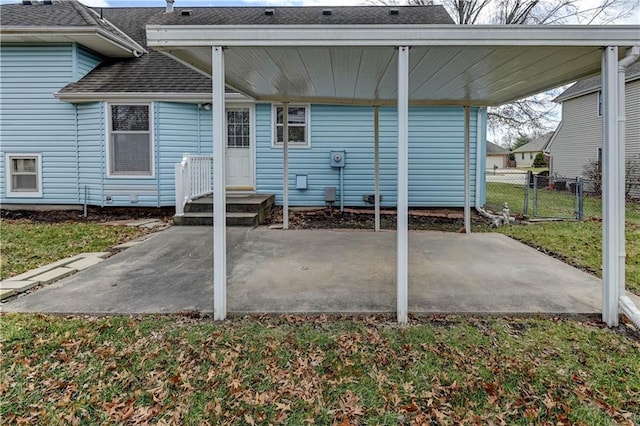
<point x="193" y="179"/>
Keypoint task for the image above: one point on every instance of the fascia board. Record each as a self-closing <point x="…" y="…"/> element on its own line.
<point x="390" y="35"/>
<point x="17" y="34"/>
<point x="145" y="96"/>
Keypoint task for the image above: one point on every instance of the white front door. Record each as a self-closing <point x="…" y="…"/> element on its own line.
<point x="239" y="165"/>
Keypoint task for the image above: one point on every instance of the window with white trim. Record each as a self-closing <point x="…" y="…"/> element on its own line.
<point x="24" y="175"/>
<point x="298" y="125"/>
<point x="130" y="143"/>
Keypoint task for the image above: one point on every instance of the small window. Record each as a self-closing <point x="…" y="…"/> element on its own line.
<point x="600" y="103"/>
<point x="298" y="128"/>
<point x="130" y="144"/>
<point x="531" y="156"/>
<point x="523" y="155"/>
<point x="24" y="175"/>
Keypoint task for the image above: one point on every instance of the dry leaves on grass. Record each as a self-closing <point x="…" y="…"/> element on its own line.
<point x="296" y="370"/>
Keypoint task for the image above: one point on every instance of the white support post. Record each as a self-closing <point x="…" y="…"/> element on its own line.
<point x="621" y="186"/>
<point x="219" y="202"/>
<point x="467" y="171"/>
<point x="610" y="195"/>
<point x="480" y="156"/>
<point x="376" y="164"/>
<point x="285" y="165"/>
<point x="403" y="186"/>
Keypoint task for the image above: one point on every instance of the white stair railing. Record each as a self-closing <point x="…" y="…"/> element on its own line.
<point x="193" y="179"/>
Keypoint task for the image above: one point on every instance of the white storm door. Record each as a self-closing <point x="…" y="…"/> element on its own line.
<point x="239" y="154"/>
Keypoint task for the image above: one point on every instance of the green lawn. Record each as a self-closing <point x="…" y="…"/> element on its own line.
<point x="288" y="370"/>
<point x="27" y="245"/>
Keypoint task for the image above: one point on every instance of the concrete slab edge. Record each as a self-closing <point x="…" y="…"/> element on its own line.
<point x="59" y="269"/>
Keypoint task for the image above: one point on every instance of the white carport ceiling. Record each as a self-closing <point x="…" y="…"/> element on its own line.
<point x="449" y="65"/>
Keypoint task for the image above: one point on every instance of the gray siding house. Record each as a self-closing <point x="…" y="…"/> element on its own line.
<point x="526" y="154"/>
<point x="578" y="139"/>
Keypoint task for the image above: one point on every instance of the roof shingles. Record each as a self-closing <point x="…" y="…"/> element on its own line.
<point x="591" y="84"/>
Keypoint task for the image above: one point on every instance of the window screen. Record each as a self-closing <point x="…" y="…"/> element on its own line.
<point x="130" y="147"/>
<point x="24" y="175"/>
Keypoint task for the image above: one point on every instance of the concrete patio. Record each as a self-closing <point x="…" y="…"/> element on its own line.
<point x="316" y="271"/>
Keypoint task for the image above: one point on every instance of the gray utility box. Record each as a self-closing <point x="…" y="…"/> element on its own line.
<point x="338" y="158"/>
<point x="330" y="194"/>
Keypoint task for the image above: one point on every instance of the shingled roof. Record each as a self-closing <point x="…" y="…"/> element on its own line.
<point x="539" y="144"/>
<point x="495" y="149"/>
<point x="592" y="84"/>
<point x="55" y="14"/>
<point x="157" y="73"/>
<point x="309" y="15"/>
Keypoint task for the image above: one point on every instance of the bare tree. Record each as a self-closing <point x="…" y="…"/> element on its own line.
<point x="535" y="114"/>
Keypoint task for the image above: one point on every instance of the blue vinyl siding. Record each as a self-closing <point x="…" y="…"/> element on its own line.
<point x="87" y="60"/>
<point x="90" y="151"/>
<point x="72" y="141"/>
<point x="33" y="120"/>
<point x="177" y="133"/>
<point x="436" y="155"/>
<point x="178" y="128"/>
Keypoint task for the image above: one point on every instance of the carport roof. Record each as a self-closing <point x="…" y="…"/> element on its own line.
<point x="356" y="64"/>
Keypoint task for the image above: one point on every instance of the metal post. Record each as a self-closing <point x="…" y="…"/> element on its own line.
<point x="285" y="165"/>
<point x="341" y="189"/>
<point x="621" y="186"/>
<point x="467" y="172"/>
<point x="610" y="197"/>
<point x="527" y="182"/>
<point x="219" y="202"/>
<point x="580" y="191"/>
<point x="535" y="194"/>
<point x="376" y="164"/>
<point x="403" y="186"/>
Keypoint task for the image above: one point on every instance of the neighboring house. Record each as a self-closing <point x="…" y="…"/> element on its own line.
<point x="526" y="154"/>
<point x="497" y="156"/>
<point x="91" y="114"/>
<point x="578" y="139"/>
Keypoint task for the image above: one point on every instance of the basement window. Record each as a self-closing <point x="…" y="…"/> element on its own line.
<point x="130" y="144"/>
<point x="24" y="175"/>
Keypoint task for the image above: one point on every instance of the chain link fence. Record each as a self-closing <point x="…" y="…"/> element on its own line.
<point x="543" y="196"/>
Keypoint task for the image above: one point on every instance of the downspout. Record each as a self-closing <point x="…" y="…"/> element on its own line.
<point x="496" y="220"/>
<point x="479" y="157"/>
<point x="626" y="304"/>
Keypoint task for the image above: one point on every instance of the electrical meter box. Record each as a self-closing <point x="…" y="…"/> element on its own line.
<point x="338" y="158"/>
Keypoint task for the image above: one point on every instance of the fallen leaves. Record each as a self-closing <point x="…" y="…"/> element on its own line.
<point x="300" y="370"/>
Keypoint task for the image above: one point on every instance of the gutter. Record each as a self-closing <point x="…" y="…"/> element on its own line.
<point x="71" y="33"/>
<point x="496" y="220"/>
<point x="84" y="97"/>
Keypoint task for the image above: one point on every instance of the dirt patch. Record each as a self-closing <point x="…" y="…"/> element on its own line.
<point x="94" y="215"/>
<point x="420" y="219"/>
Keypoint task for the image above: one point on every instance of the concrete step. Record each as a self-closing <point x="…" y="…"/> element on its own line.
<point x="242" y="210"/>
<point x="206" y="219"/>
<point x="251" y="203"/>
